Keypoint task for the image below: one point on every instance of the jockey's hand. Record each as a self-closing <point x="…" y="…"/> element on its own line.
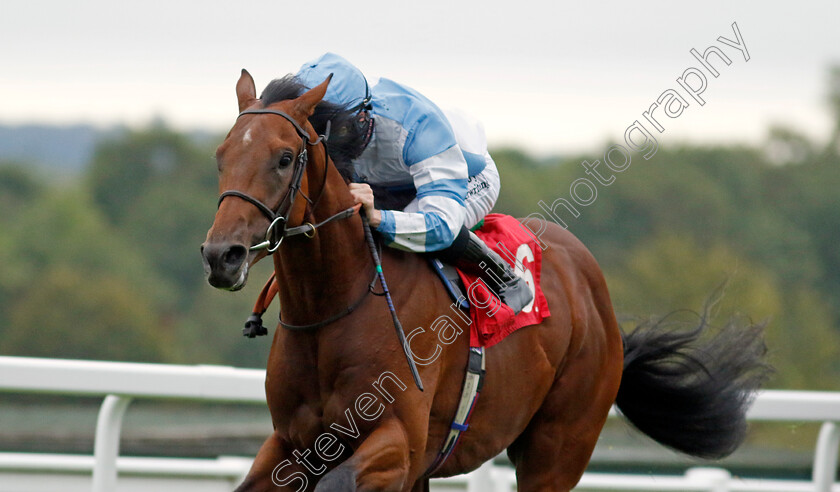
<point x="363" y="194"/>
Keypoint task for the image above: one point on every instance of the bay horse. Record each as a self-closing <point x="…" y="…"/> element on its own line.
<point x="346" y="416"/>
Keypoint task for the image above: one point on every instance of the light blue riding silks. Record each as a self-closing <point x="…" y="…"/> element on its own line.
<point x="413" y="145"/>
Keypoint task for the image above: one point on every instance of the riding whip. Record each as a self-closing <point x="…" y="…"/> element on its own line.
<point x="397" y="325"/>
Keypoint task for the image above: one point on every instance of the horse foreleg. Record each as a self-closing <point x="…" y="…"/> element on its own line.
<point x="272" y="470"/>
<point x="380" y="463"/>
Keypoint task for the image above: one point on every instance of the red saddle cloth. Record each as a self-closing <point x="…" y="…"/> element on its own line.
<point x="492" y="320"/>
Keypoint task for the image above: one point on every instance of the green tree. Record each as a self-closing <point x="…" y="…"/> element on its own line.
<point x="126" y="167"/>
<point x="168" y="223"/>
<point x="159" y="189"/>
<point x="70" y="313"/>
<point x="62" y="261"/>
<point x="19" y="188"/>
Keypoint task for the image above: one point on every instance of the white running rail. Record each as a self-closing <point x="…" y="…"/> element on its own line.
<point x="119" y="382"/>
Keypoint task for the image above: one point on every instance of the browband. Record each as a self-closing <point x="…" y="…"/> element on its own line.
<point x="303" y="133"/>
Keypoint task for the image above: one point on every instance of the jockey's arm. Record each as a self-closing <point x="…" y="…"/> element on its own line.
<point x="433" y="219"/>
<point x="436" y="215"/>
<point x="432" y="227"/>
<point x="435" y="226"/>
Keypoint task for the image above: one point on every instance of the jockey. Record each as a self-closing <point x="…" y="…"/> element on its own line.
<point x="440" y="160"/>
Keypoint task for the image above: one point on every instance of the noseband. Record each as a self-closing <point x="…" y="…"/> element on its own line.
<point x="278" y="217"/>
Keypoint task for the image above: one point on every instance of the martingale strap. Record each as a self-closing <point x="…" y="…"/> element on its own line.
<point x="254" y="325"/>
<point x="473" y="383"/>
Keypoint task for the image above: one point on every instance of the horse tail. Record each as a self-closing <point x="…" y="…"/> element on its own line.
<point x="690" y="389"/>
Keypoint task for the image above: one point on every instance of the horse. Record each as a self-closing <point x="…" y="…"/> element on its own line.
<point x="345" y="414"/>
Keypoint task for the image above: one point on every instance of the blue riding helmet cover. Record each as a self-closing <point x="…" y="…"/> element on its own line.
<point x="348" y="86"/>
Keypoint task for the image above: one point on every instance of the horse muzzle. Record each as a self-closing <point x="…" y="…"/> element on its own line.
<point x="225" y="264"/>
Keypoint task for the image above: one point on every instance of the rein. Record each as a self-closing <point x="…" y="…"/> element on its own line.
<point x="254" y="325"/>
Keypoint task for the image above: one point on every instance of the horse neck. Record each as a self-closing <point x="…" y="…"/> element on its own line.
<point x="320" y="276"/>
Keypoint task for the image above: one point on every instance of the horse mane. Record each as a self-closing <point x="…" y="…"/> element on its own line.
<point x="347" y="138"/>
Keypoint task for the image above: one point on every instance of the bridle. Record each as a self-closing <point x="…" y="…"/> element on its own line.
<point x="279" y="216"/>
<point x="278" y="230"/>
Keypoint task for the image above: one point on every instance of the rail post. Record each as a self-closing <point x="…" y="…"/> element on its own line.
<point x="825" y="457"/>
<point x="716" y="479"/>
<point x="483" y="479"/>
<point x="106" y="446"/>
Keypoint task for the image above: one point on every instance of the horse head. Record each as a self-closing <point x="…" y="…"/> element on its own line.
<point x="263" y="181"/>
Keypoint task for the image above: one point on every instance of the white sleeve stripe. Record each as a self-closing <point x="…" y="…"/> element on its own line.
<point x="449" y="164"/>
<point x="448" y="209"/>
<point x="409" y="223"/>
<point x="412" y="230"/>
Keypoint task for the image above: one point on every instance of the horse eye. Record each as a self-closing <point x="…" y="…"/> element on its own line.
<point x="285" y="160"/>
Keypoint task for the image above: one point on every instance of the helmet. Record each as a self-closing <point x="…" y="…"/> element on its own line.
<point x="348" y="86"/>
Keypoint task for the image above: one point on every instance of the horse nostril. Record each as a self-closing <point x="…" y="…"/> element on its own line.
<point x="234" y="257"/>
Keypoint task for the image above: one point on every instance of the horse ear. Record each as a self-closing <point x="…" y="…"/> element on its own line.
<point x="306" y="103"/>
<point x="246" y="90"/>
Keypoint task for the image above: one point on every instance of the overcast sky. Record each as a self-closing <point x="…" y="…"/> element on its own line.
<point x="555" y="76"/>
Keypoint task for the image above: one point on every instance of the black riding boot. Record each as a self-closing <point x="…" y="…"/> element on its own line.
<point x="469" y="254"/>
